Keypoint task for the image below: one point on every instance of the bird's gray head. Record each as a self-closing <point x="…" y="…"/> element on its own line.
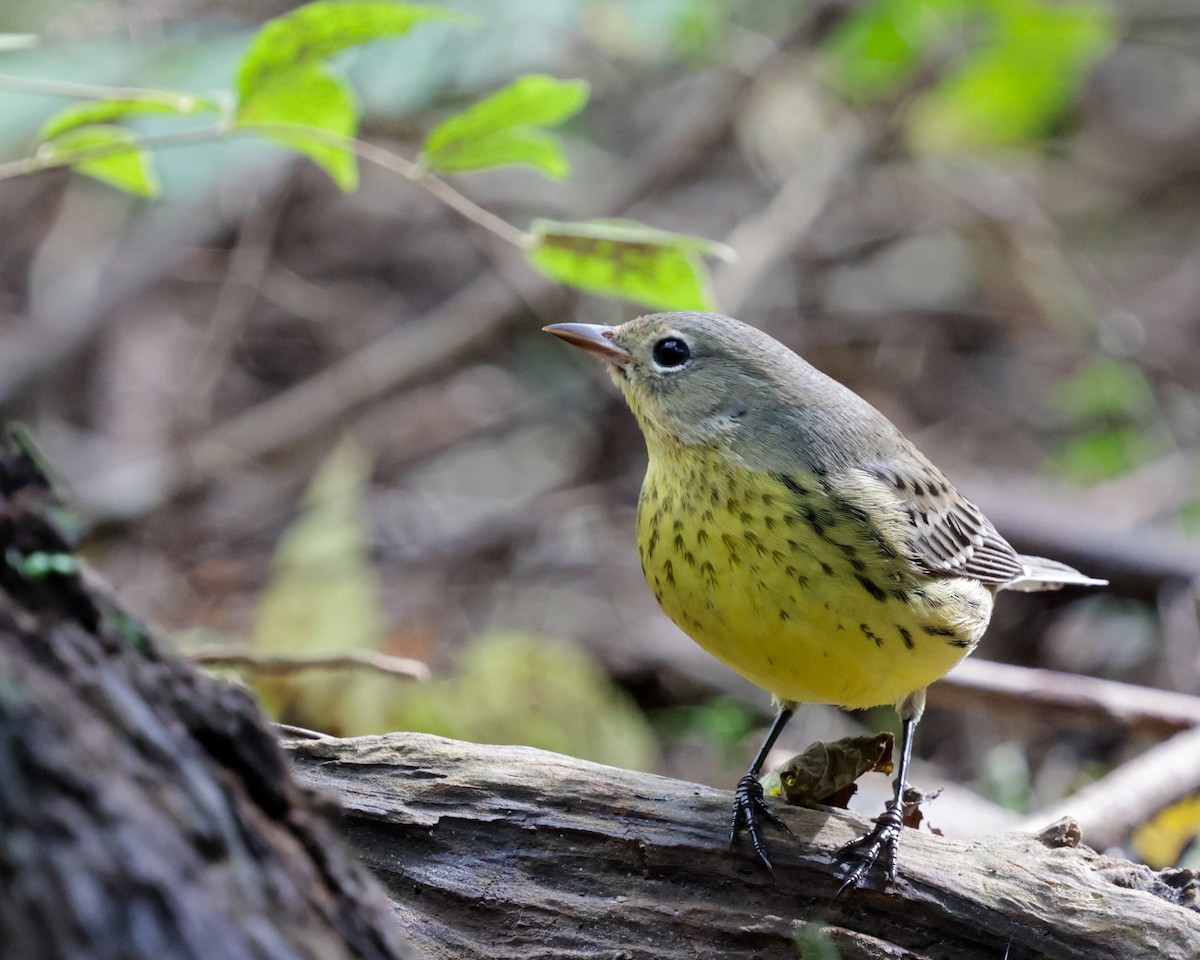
<point x="703" y="378"/>
<point x="693" y="377"/>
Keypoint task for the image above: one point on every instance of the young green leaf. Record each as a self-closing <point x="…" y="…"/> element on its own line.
<point x="309" y="96"/>
<point x="318" y="30"/>
<point x="104" y="111"/>
<point x="622" y="259"/>
<point x="106" y="153"/>
<point x="502" y="128"/>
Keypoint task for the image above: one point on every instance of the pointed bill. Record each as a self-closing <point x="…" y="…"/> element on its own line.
<point x="594" y="338"/>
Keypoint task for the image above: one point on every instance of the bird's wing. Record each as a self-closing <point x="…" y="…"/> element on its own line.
<point x="952" y="534"/>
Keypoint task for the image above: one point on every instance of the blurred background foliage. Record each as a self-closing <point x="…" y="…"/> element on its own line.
<point x="301" y="422"/>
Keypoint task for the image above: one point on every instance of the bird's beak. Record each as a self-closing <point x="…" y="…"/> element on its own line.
<point x="594" y="338"/>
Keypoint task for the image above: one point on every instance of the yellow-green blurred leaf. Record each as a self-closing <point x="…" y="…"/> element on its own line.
<point x="514" y="688"/>
<point x="308" y="96"/>
<point x="1104" y="387"/>
<point x="628" y="260"/>
<point x="502" y="128"/>
<point x="315" y="31"/>
<point x="323" y="596"/>
<point x="1006" y="69"/>
<point x="1162" y="839"/>
<point x="884" y="42"/>
<point x="103" y="111"/>
<point x="1018" y="84"/>
<point x="118" y="160"/>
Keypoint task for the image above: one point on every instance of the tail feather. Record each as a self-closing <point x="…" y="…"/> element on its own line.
<point x="1042" y="574"/>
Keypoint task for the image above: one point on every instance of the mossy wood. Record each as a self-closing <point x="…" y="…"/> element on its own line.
<point x="509" y="852"/>
<point x="146" y="810"/>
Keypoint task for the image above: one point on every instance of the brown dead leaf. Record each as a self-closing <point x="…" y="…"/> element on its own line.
<point x="825" y="773"/>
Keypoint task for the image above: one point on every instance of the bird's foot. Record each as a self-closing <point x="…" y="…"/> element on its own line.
<point x="748" y="807"/>
<point x="882" y="841"/>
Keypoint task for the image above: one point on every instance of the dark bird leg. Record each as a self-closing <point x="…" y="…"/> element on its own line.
<point x="884" y="838"/>
<point x="748" y="802"/>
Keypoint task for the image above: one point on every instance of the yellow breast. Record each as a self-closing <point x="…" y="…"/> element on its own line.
<point x="799" y="583"/>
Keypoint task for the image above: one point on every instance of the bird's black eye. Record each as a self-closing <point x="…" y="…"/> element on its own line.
<point x="671" y="352"/>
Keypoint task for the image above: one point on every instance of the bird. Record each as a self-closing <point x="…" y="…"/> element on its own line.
<point x="792" y="531"/>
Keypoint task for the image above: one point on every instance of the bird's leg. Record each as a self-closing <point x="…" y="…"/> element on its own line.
<point x="884" y="838"/>
<point x="748" y="802"/>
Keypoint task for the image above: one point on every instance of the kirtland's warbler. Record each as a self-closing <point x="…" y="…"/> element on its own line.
<point x="793" y="532"/>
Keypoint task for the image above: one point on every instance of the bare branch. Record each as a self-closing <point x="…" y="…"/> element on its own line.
<point x="403" y="668"/>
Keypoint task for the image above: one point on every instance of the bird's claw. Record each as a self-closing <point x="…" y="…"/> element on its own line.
<point x="748" y="807"/>
<point x="881" y="840"/>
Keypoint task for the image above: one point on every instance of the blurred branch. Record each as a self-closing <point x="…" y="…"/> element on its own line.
<point x="27" y="166"/>
<point x="1037" y="521"/>
<point x="77" y="91"/>
<point x="247" y="264"/>
<point x="574" y="858"/>
<point x="1110" y="808"/>
<point x="1066" y="697"/>
<point x="401" y="667"/>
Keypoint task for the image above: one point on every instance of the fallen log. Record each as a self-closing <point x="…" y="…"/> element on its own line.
<point x="498" y="852"/>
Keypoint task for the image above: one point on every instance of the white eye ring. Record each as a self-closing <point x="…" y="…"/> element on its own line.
<point x="671" y="353"/>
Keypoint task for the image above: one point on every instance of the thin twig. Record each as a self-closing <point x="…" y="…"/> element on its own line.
<point x="83" y="91"/>
<point x="369" y="152"/>
<point x="400" y="667"/>
<point x="410" y="170"/>
<point x="36" y="164"/>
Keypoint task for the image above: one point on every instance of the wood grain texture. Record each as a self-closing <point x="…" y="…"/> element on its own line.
<point x="503" y="852"/>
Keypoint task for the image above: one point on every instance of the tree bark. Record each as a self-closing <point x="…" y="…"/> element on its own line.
<point x="146" y="810"/>
<point x="497" y="852"/>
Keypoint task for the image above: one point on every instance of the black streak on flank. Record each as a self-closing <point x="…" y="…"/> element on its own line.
<point x="906" y="637"/>
<point x="871" y="635"/>
<point x="871" y="587"/>
<point x="848" y="508"/>
<point x="814" y="520"/>
<point x="797" y="488"/>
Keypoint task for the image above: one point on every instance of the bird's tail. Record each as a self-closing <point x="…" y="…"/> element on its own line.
<point x="1042" y="574"/>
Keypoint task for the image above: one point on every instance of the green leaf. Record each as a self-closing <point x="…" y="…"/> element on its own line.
<point x="624" y="259"/>
<point x="1104" y="454"/>
<point x="1105" y="387"/>
<point x="515" y="688"/>
<point x="309" y="96"/>
<point x="127" y="168"/>
<point x="884" y="42"/>
<point x="501" y="128"/>
<point x="103" y="111"/>
<point x="1008" y="68"/>
<point x="316" y="31"/>
<point x="1019" y="83"/>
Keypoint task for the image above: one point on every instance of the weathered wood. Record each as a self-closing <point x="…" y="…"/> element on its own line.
<point x="146" y="810"/>
<point x="496" y="852"/>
